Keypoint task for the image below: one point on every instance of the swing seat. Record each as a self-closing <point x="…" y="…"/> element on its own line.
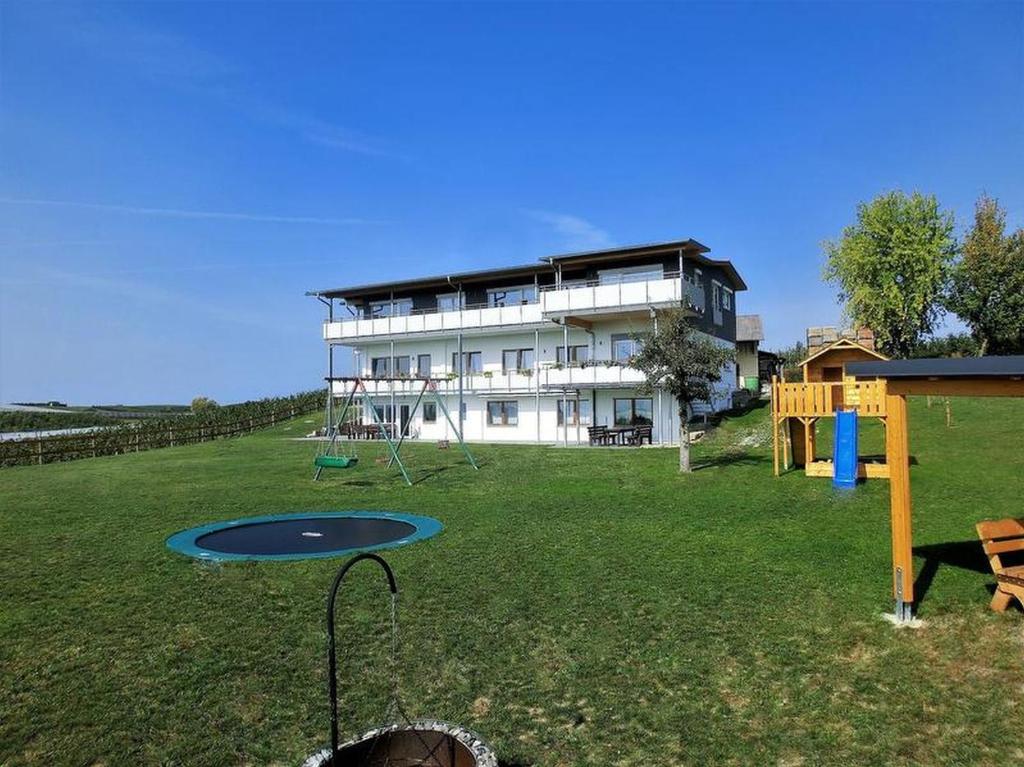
<point x="335" y="461"/>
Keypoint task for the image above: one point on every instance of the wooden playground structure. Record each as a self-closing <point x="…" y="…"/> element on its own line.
<point x="967" y="377"/>
<point x="826" y="387"/>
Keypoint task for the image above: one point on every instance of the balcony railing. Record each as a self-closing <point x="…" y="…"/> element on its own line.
<point x="551" y="376"/>
<point x="630" y="290"/>
<point x="435" y="322"/>
<point x="590" y="296"/>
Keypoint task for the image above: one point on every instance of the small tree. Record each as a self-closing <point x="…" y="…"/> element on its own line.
<point x="201" y="404"/>
<point x="892" y="267"/>
<point x="791" y="357"/>
<point x="684" y="362"/>
<point x="987" y="288"/>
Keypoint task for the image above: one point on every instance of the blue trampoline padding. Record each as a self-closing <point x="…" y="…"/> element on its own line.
<point x="844" y="449"/>
<point x="401" y="529"/>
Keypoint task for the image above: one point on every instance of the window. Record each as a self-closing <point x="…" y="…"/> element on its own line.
<point x="505" y="413"/>
<point x="631" y="412"/>
<point x="403" y="365"/>
<point x="577" y="354"/>
<point x="525" y="294"/>
<point x="716" y="295"/>
<point x="726" y="298"/>
<point x="423" y="366"/>
<point x="472" y="362"/>
<point x="624" y="348"/>
<point x="698" y="277"/>
<point x="380" y="367"/>
<point x="400" y="307"/>
<point x="516" y="359"/>
<point x="450" y="302"/>
<point x="631" y="274"/>
<point x="582" y="418"/>
<point x="384" y="413"/>
<point x="429" y="412"/>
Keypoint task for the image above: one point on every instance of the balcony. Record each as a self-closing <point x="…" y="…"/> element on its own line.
<point x="596" y="297"/>
<point x="594" y="375"/>
<point x="590" y="298"/>
<point x="479" y="318"/>
<point x="597" y="375"/>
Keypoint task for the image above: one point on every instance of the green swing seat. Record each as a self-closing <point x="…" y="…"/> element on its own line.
<point x="335" y="461"/>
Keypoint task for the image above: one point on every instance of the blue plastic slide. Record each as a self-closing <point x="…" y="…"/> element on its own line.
<point x="844" y="449"/>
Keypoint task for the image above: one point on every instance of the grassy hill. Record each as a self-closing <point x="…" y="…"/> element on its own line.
<point x="581" y="606"/>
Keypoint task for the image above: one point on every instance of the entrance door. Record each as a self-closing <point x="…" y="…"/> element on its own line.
<point x="403" y="414"/>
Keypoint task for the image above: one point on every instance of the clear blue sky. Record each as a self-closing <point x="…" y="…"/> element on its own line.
<point x="175" y="176"/>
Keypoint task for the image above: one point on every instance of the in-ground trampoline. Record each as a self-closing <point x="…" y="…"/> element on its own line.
<point x="308" y="535"/>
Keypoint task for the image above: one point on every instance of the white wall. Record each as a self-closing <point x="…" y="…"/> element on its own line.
<point x="533" y="425"/>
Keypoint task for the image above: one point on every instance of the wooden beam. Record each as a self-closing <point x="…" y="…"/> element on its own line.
<point x="897" y="456"/>
<point x="958" y="387"/>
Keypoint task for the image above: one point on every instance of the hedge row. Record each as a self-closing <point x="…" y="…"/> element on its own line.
<point x="210" y="423"/>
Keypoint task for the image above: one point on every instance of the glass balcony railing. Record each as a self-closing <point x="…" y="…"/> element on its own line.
<point x="630" y="291"/>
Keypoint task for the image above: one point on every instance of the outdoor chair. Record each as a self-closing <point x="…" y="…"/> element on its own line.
<point x="1001" y="537"/>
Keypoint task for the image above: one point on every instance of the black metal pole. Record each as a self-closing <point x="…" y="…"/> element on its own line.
<point x="332" y="662"/>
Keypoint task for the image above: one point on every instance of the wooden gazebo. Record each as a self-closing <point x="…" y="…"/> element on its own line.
<point x="967" y="377"/>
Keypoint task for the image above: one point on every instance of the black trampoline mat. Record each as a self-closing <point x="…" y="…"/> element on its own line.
<point x="307" y="535"/>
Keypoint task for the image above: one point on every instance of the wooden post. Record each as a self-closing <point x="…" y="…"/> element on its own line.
<point x="39" y="450"/>
<point x="897" y="456"/>
<point x="775" y="425"/>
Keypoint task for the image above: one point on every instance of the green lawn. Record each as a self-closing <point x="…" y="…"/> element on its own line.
<point x="581" y="607"/>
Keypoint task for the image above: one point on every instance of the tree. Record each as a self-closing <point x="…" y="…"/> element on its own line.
<point x="987" y="286"/>
<point x="791" y="357"/>
<point x="953" y="345"/>
<point x="676" y="358"/>
<point x="202" y="404"/>
<point x="892" y="267"/>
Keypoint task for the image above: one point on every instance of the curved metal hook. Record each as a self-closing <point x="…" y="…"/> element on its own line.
<point x="332" y="662"/>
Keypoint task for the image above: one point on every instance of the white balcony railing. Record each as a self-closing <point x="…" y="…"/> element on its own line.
<point x="436" y="322"/>
<point x="599" y="375"/>
<point x="595" y="297"/>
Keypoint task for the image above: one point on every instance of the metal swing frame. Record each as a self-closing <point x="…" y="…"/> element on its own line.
<point x="359" y="387"/>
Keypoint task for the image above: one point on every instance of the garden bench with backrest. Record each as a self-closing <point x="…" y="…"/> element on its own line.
<point x="598" y="435"/>
<point x="1000" y="538"/>
<point x="639" y="435"/>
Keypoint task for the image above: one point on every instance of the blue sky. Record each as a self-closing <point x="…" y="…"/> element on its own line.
<point x="173" y="177"/>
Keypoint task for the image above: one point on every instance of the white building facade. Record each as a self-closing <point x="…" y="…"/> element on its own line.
<point x="545" y="347"/>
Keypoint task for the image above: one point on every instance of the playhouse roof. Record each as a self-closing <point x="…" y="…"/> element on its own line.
<point x="843" y="343"/>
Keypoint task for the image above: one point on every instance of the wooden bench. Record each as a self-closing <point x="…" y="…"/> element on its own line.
<point x="1004" y="536"/>
<point x="640" y="435"/>
<point x="599" y="435"/>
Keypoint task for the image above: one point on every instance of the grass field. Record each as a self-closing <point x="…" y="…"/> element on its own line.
<point x="581" y="607"/>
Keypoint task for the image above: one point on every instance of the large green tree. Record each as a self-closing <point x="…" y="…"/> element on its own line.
<point x="892" y="267"/>
<point x="677" y="358"/>
<point x="987" y="286"/>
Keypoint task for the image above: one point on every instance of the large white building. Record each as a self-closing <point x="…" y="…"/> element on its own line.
<point x="545" y="346"/>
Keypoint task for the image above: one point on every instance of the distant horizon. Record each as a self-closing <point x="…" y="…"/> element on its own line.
<point x="177" y="176"/>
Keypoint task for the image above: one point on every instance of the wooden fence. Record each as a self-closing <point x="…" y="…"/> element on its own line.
<point x="134" y="438"/>
<point x="819" y="400"/>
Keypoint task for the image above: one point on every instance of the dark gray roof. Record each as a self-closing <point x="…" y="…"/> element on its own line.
<point x="694" y="250"/>
<point x="748" y="327"/>
<point x="940" y="367"/>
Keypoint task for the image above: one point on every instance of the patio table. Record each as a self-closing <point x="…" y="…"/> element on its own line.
<point x="619" y="433"/>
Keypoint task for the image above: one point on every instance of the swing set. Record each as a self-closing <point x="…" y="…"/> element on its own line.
<point x="337" y="449"/>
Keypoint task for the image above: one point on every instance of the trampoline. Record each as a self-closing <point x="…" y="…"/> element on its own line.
<point x="309" y="535"/>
